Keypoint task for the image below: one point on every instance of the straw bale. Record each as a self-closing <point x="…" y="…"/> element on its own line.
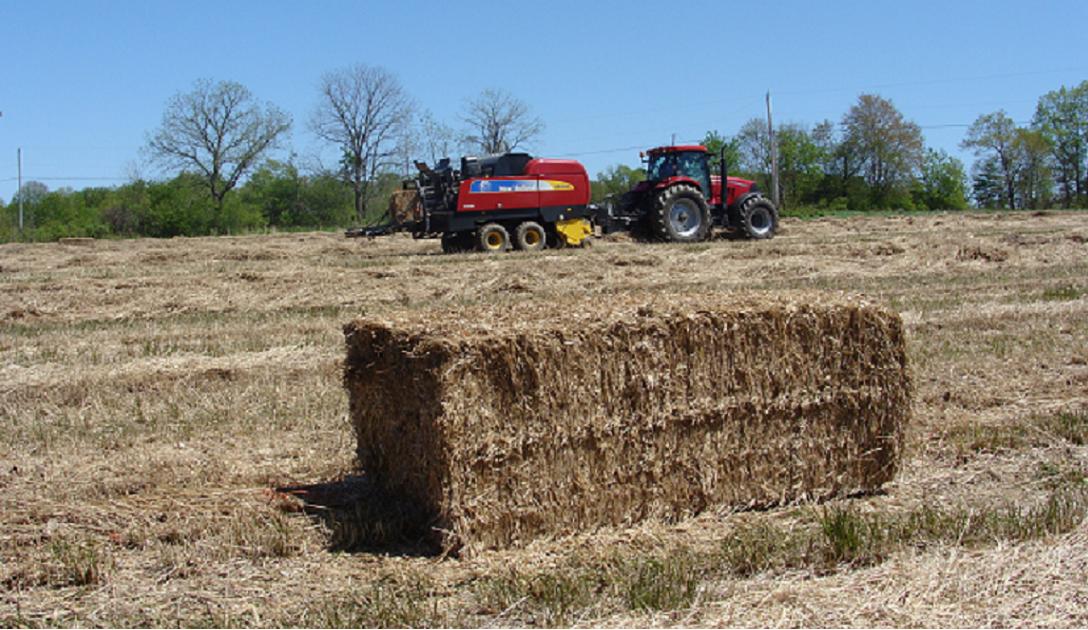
<point x="508" y="424"/>
<point x="405" y="206"/>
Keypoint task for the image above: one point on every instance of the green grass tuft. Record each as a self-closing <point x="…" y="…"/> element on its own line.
<point x="1062" y="294"/>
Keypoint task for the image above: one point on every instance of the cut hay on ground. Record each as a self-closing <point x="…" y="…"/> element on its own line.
<point x="503" y="425"/>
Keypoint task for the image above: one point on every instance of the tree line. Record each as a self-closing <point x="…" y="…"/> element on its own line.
<point x="873" y="158"/>
<point x="217" y="138"/>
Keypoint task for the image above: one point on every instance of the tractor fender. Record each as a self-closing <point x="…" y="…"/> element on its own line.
<point x="676" y="180"/>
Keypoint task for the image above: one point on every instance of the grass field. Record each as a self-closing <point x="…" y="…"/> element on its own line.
<point x="155" y="393"/>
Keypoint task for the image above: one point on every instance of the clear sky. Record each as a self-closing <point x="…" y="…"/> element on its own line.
<point x="82" y="83"/>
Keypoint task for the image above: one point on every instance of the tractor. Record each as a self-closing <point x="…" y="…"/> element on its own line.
<point x="681" y="201"/>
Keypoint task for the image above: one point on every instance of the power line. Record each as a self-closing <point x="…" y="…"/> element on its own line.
<point x="879" y="86"/>
<point x="601" y="151"/>
<point x="62" y="179"/>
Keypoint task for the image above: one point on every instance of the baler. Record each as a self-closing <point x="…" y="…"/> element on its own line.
<point x="493" y="203"/>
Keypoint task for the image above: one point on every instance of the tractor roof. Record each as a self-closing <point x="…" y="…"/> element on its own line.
<point x="678" y="148"/>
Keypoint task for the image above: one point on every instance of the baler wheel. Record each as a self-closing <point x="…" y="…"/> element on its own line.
<point x="530" y="237"/>
<point x="492" y="238"/>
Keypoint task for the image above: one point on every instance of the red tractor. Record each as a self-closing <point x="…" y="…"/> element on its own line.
<point x="680" y="200"/>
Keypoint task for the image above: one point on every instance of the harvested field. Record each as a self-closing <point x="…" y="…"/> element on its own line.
<point x="504" y="425"/>
<point x="155" y="394"/>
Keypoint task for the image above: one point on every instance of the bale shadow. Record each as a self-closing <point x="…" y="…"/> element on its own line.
<point x="362" y="519"/>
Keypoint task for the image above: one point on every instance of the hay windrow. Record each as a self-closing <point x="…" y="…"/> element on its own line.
<point x="508" y="424"/>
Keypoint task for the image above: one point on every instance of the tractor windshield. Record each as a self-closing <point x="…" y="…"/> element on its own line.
<point x="691" y="164"/>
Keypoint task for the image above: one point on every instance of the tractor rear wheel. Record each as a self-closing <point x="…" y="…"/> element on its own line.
<point x="530" y="237"/>
<point x="679" y="214"/>
<point x="757" y="218"/>
<point x="492" y="238"/>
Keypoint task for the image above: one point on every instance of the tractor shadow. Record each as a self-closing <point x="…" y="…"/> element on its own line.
<point x="361" y="519"/>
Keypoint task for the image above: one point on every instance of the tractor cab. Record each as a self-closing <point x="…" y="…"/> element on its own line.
<point x="666" y="165"/>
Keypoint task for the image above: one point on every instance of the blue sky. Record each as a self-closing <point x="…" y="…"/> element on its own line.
<point x="83" y="82"/>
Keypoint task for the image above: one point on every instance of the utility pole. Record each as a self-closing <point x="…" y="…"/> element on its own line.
<point x="20" y="193"/>
<point x="774" y="154"/>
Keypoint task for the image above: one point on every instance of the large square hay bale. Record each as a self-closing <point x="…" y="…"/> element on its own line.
<point x="499" y="425"/>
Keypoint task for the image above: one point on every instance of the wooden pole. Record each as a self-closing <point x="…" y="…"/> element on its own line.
<point x="19" y="153"/>
<point x="774" y="154"/>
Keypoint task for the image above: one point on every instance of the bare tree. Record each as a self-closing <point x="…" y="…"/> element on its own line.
<point x="499" y="122"/>
<point x="363" y="110"/>
<point x="406" y="147"/>
<point x="218" y="129"/>
<point x="438" y="140"/>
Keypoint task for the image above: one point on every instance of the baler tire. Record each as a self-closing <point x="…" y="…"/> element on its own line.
<point x="530" y="237"/>
<point x="757" y="218"/>
<point x="456" y="242"/>
<point x="664" y="221"/>
<point x="492" y="238"/>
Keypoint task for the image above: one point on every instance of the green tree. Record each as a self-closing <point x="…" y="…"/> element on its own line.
<point x="615" y="180"/>
<point x="125" y="208"/>
<point x="285" y="198"/>
<point x="886" y="148"/>
<point x="993" y="137"/>
<point x="276" y="190"/>
<point x="799" y="164"/>
<point x="182" y="206"/>
<point x="32" y="194"/>
<point x="714" y="143"/>
<point x="1033" y="174"/>
<point x="942" y="183"/>
<point x="1061" y="117"/>
<point x="800" y="159"/>
<point x="327" y="202"/>
<point x="987" y="183"/>
<point x="60" y="213"/>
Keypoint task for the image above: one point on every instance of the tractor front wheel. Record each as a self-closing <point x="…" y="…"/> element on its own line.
<point x="680" y="215"/>
<point x="530" y="237"/>
<point x="492" y="238"/>
<point x="757" y="218"/>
